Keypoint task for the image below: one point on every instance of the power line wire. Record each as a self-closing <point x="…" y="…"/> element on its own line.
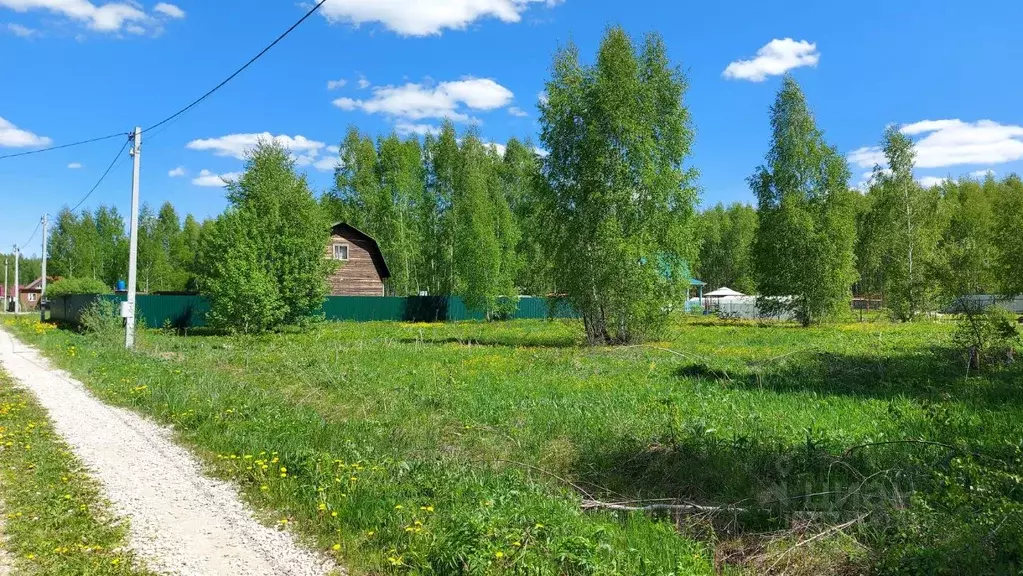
<point x="33" y="233"/>
<point x="191" y="105"/>
<point x="240" y="70"/>
<point x="104" y="176"/>
<point x="62" y="146"/>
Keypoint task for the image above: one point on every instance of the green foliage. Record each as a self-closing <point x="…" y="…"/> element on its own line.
<point x="804" y="243"/>
<point x="726" y="245"/>
<point x="427" y="204"/>
<point x="164" y="258"/>
<point x="617" y="205"/>
<point x="902" y="230"/>
<point x="986" y="334"/>
<point x="54" y="518"/>
<point x="1008" y="239"/>
<point x="262" y="262"/>
<point x="68" y="286"/>
<point x="94" y="245"/>
<point x="484" y="234"/>
<point x="102" y="319"/>
<point x="520" y="177"/>
<point x="29" y="267"/>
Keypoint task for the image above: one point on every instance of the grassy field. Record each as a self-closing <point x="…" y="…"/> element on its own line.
<point x="472" y="448"/>
<point x="54" y="521"/>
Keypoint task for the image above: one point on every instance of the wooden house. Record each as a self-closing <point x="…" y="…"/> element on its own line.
<point x="361" y="267"/>
<point x="31" y="295"/>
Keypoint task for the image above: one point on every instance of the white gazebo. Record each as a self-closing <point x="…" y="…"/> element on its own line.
<point x="724" y="292"/>
<point x="712" y="300"/>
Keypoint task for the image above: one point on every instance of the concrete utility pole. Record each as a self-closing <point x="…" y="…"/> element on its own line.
<point x="133" y="243"/>
<point x="7" y="295"/>
<point x="42" y="293"/>
<point x="17" y="289"/>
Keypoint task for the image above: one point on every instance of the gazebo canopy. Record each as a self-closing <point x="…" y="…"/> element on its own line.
<point x="723" y="292"/>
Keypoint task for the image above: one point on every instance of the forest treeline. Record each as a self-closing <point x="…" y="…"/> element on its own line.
<point x="603" y="212"/>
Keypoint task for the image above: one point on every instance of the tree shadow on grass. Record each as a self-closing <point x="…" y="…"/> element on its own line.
<point x="935" y="375"/>
<point x="758" y="485"/>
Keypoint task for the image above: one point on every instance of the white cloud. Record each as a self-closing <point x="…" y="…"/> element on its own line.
<point x="445" y="100"/>
<point x="169" y="10"/>
<point x="982" y="174"/>
<point x="406" y="128"/>
<point x="336" y="84"/>
<point x="363" y="82"/>
<point x="111" y="17"/>
<point x="773" y="59"/>
<point x="305" y="152"/>
<point x="22" y="31"/>
<point x="516" y="111"/>
<point x="236" y="145"/>
<point x="208" y="179"/>
<point x="425" y="17"/>
<point x="954" y="142"/>
<point x="867" y="157"/>
<point x="74" y="165"/>
<point x="499" y="148"/>
<point x="13" y="137"/>
<point x="327" y="163"/>
<point x="931" y="181"/>
<point x="177" y="172"/>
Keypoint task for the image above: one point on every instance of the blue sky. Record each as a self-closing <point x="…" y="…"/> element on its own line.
<point x="74" y="69"/>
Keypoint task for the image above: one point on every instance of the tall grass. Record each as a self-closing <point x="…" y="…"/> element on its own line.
<point x="472" y="447"/>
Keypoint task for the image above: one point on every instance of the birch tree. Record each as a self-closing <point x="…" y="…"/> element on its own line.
<point x="804" y="244"/>
<point x="904" y="228"/>
<point x="617" y="206"/>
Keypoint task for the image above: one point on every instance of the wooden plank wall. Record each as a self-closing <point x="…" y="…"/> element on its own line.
<point x="359" y="275"/>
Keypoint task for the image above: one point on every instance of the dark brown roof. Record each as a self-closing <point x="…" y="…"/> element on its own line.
<point x="37" y="284"/>
<point x="378" y="255"/>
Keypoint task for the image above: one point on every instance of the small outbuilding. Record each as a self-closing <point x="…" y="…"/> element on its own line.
<point x="361" y="267"/>
<point x="724" y="292"/>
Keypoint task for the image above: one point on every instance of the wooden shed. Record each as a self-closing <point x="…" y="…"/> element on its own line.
<point x="361" y="266"/>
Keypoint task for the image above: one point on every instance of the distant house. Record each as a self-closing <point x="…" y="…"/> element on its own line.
<point x="31" y="294"/>
<point x="361" y="266"/>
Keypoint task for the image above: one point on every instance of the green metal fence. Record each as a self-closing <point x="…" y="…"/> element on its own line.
<point x="190" y="311"/>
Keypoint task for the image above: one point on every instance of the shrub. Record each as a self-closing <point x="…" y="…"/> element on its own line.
<point x="70" y="286"/>
<point x="262" y="263"/>
<point x="101" y="317"/>
<point x="986" y="334"/>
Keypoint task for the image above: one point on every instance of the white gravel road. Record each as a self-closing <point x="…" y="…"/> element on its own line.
<point x="182" y="522"/>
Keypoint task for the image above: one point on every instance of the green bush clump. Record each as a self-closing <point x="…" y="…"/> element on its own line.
<point x="69" y="286"/>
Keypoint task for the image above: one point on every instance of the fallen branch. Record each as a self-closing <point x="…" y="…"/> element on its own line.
<point x="908" y="441"/>
<point x="546" y="472"/>
<point x="823" y="534"/>
<point x="977" y="455"/>
<point x="660" y="507"/>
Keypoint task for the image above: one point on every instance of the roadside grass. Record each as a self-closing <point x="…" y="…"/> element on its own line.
<point x="474" y="448"/>
<point x="54" y="520"/>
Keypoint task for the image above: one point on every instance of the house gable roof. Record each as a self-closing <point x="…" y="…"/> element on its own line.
<point x="344" y="229"/>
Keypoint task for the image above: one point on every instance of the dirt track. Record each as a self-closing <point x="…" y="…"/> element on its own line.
<point x="182" y="522"/>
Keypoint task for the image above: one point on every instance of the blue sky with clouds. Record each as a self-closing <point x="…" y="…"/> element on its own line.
<point x="74" y="69"/>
